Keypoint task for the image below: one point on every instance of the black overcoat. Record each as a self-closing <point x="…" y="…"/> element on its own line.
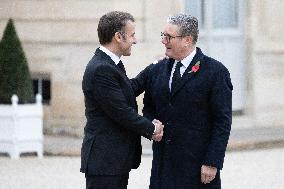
<point x="197" y="118"/>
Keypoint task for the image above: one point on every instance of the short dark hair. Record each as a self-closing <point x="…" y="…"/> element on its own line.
<point x="111" y="23"/>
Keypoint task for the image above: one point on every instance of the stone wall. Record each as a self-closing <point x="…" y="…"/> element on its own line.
<point x="59" y="38"/>
<point x="267" y="58"/>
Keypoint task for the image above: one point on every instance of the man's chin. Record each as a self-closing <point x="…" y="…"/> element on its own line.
<point x="127" y="54"/>
<point x="168" y="54"/>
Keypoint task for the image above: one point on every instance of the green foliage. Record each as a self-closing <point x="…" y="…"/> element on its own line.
<point x="14" y="71"/>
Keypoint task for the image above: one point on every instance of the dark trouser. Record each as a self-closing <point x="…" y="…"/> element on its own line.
<point x="106" y="181"/>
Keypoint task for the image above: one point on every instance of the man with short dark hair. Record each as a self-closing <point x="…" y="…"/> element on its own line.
<point x="112" y="135"/>
<point x="191" y="94"/>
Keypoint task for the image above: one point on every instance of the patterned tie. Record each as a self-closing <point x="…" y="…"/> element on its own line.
<point x="121" y="66"/>
<point x="176" y="76"/>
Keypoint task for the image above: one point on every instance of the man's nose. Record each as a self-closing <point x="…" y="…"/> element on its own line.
<point x="135" y="40"/>
<point x="163" y="40"/>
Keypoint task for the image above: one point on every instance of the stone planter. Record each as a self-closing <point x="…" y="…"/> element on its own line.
<point x="21" y="128"/>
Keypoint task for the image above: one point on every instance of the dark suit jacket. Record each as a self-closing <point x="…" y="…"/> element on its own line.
<point x="197" y="118"/>
<point x="112" y="141"/>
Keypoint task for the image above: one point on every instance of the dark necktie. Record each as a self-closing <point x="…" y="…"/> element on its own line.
<point x="176" y="76"/>
<point x="121" y="66"/>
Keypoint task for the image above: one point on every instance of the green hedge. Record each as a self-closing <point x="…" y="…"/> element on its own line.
<point x="14" y="71"/>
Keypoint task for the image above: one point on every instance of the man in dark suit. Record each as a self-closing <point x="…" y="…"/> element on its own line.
<point x="191" y="94"/>
<point x="112" y="140"/>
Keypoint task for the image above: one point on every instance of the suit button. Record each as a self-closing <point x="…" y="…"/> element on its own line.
<point x="168" y="141"/>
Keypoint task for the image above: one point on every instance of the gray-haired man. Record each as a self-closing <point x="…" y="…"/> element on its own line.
<point x="191" y="94"/>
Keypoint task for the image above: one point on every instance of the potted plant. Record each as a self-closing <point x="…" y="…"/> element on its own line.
<point x="20" y="120"/>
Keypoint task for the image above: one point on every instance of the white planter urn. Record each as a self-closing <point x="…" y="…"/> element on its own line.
<point x="21" y="128"/>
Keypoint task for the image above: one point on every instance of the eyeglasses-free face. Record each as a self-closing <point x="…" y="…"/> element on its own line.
<point x="168" y="37"/>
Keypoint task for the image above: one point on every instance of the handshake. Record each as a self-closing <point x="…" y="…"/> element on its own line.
<point x="159" y="130"/>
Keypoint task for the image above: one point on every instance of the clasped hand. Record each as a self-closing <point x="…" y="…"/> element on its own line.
<point x="158" y="134"/>
<point x="208" y="174"/>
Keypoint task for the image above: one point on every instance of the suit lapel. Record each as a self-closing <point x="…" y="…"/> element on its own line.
<point x="103" y="55"/>
<point x="109" y="60"/>
<point x="187" y="74"/>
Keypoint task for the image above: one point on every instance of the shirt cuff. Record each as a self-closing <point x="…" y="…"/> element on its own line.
<point x="155" y="127"/>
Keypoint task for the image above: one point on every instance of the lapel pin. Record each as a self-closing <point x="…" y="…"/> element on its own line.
<point x="195" y="68"/>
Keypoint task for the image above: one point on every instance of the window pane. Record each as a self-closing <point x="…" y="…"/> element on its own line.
<point x="35" y="86"/>
<point x="225" y="13"/>
<point x="45" y="85"/>
<point x="46" y="93"/>
<point x="196" y="8"/>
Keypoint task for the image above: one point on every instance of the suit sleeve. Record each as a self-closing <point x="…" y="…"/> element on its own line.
<point x="149" y="108"/>
<point x="221" y="109"/>
<point x="139" y="83"/>
<point x="111" y="99"/>
<point x="142" y="82"/>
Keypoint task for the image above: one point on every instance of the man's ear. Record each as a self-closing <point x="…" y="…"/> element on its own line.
<point x="117" y="36"/>
<point x="188" y="40"/>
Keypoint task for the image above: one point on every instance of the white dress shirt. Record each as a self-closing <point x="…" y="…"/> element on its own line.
<point x="113" y="56"/>
<point x="185" y="63"/>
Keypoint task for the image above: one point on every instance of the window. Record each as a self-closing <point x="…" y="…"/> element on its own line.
<point x="196" y="8"/>
<point x="214" y="14"/>
<point x="42" y="85"/>
<point x="222" y="37"/>
<point x="225" y="13"/>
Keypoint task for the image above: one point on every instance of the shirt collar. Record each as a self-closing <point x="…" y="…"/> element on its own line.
<point x="113" y="56"/>
<point x="187" y="60"/>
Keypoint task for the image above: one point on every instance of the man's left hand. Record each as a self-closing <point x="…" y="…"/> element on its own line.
<point x="208" y="173"/>
<point x="157" y="136"/>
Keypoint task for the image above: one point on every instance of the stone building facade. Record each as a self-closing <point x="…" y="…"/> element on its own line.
<point x="59" y="37"/>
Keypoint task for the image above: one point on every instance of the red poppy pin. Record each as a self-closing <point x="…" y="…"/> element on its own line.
<point x="195" y="68"/>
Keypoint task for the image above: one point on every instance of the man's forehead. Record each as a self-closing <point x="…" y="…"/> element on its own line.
<point x="130" y="26"/>
<point x="171" y="29"/>
<point x="130" y="23"/>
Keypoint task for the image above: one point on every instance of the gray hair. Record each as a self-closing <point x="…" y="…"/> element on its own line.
<point x="188" y="25"/>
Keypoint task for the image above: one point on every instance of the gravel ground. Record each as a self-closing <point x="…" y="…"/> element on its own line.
<point x="261" y="169"/>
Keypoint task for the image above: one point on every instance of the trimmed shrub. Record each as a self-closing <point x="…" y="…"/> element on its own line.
<point x="14" y="71"/>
